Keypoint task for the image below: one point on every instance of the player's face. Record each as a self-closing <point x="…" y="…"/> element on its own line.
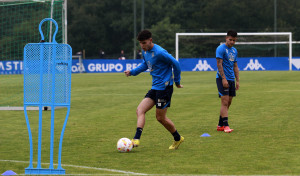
<point x="146" y="44"/>
<point x="230" y="41"/>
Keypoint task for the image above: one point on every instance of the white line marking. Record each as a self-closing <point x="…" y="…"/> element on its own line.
<point x="124" y="172"/>
<point x="207" y="93"/>
<point x="83" y="167"/>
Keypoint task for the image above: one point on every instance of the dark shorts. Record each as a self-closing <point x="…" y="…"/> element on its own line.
<point x="162" y="98"/>
<point x="229" y="91"/>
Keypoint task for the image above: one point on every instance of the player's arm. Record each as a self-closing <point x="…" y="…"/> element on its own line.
<point x="141" y="68"/>
<point x="221" y="72"/>
<point x="176" y="68"/>
<point x="237" y="75"/>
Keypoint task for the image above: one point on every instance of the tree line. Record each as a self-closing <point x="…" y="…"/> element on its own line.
<point x="108" y="25"/>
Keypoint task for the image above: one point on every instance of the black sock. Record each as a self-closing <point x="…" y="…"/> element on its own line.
<point x="176" y="136"/>
<point x="220" y="121"/>
<point x="138" y="133"/>
<point x="225" y="121"/>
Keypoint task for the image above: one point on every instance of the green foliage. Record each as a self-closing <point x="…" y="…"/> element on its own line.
<point x="108" y="24"/>
<point x="265" y="116"/>
<point x="164" y="34"/>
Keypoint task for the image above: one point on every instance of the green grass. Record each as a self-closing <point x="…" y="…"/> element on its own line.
<point x="265" y="115"/>
<point x="11" y="89"/>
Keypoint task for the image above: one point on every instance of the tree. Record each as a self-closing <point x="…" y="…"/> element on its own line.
<point x="108" y="24"/>
<point x="164" y="33"/>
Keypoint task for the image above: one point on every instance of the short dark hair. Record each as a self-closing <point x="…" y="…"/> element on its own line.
<point x="232" y="33"/>
<point x="144" y="35"/>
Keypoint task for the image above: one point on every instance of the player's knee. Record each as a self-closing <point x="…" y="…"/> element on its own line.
<point x="226" y="104"/>
<point x="160" y="118"/>
<point x="139" y="111"/>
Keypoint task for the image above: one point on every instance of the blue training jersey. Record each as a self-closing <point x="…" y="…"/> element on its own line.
<point x="160" y="64"/>
<point x="228" y="55"/>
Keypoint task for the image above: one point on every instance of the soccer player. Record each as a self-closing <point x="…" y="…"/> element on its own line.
<point x="227" y="79"/>
<point x="160" y="64"/>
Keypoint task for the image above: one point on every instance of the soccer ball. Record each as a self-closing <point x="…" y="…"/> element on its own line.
<point x="124" y="145"/>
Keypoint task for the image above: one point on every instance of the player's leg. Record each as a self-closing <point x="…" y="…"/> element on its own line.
<point x="232" y="93"/>
<point x="161" y="116"/>
<point x="146" y="104"/>
<point x="220" y="126"/>
<point x="221" y="92"/>
<point x="225" y="103"/>
<point x="163" y="101"/>
<point x="224" y="106"/>
<point x="229" y="102"/>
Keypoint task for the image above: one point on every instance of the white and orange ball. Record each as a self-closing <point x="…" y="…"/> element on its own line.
<point x="124" y="145"/>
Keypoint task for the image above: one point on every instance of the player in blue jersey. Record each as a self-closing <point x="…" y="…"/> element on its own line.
<point x="228" y="80"/>
<point x="160" y="64"/>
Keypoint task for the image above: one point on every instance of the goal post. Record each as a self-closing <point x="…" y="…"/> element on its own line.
<point x="79" y="67"/>
<point x="249" y="34"/>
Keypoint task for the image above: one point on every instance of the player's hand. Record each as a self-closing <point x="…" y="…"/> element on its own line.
<point x="225" y="83"/>
<point x="127" y="73"/>
<point x="179" y="86"/>
<point x="237" y="85"/>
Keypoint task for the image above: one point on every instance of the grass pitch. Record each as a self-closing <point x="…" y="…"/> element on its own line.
<point x="265" y="115"/>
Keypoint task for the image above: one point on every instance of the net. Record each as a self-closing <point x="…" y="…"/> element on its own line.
<point x="19" y="21"/>
<point x="270" y="45"/>
<point x="204" y="46"/>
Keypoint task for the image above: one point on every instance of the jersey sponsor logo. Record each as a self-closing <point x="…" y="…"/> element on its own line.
<point x="254" y="65"/>
<point x="296" y="63"/>
<point x="202" y="66"/>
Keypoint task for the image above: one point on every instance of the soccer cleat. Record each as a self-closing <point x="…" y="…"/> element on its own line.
<point x="227" y="129"/>
<point x="220" y="128"/>
<point x="135" y="142"/>
<point x="176" y="144"/>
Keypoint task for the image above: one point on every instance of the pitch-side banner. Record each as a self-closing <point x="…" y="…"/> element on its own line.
<point x="246" y="64"/>
<point x="187" y="64"/>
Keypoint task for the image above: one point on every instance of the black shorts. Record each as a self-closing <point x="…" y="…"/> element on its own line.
<point x="229" y="91"/>
<point x="162" y="98"/>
